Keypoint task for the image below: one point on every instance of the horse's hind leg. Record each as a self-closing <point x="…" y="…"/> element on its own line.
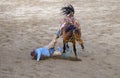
<point x="74" y="49"/>
<point x="64" y="53"/>
<point x="79" y="40"/>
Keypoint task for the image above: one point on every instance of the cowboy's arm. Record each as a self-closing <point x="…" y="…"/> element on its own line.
<point x="54" y="41"/>
<point x="39" y="52"/>
<point x="62" y="25"/>
<point x="59" y="31"/>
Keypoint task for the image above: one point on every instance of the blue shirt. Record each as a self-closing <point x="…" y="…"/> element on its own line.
<point x="44" y="51"/>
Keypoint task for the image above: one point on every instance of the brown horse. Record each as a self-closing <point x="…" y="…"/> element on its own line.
<point x="71" y="34"/>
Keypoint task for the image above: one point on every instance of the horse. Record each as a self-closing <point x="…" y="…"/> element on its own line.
<point x="71" y="34"/>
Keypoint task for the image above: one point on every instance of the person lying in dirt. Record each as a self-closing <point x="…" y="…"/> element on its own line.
<point x="47" y="51"/>
<point x="44" y="52"/>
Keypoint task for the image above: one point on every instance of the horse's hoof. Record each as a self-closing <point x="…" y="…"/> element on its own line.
<point x="78" y="59"/>
<point x="83" y="50"/>
<point x="65" y="55"/>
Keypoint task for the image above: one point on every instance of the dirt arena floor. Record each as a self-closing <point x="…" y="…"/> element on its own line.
<point x="29" y="24"/>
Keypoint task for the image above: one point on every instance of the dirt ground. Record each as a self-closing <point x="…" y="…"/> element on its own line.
<point x="29" y="24"/>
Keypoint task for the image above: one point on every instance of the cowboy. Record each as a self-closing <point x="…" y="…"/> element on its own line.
<point x="48" y="51"/>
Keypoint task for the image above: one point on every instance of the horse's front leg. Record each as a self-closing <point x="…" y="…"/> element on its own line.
<point x="64" y="53"/>
<point x="64" y="47"/>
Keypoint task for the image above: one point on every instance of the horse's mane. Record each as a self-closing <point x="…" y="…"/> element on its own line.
<point x="68" y="9"/>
